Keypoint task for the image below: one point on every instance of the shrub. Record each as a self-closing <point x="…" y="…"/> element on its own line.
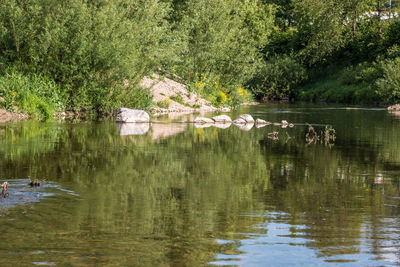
<point x="88" y="47"/>
<point x="164" y="104"/>
<point x="392" y="35"/>
<point x="30" y="93"/>
<point x="364" y="72"/>
<point x="389" y="85"/>
<point x="278" y="77"/>
<point x="178" y="99"/>
<point x="223" y="39"/>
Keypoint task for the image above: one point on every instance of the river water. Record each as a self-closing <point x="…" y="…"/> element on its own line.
<point x="178" y="195"/>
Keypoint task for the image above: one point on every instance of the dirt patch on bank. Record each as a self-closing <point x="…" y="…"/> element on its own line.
<point x="11" y="116"/>
<point x="170" y="96"/>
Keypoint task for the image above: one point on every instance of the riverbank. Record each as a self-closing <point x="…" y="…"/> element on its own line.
<point x="11" y="116"/>
<point x="170" y="96"/>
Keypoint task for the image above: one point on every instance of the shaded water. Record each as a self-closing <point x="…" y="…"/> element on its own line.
<point x="183" y="196"/>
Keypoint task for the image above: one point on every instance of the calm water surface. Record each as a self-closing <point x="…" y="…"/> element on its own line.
<point x="178" y="195"/>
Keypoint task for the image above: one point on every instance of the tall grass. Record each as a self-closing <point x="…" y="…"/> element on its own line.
<point x="34" y="94"/>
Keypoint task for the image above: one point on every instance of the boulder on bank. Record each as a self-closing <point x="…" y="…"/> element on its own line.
<point x="132" y="115"/>
<point x="394" y="108"/>
<point x="222" y="119"/>
<point x="203" y="120"/>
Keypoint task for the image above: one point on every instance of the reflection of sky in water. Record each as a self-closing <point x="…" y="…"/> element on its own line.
<point x="287" y="245"/>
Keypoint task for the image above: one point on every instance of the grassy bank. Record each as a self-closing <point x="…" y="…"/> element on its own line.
<point x="33" y="94"/>
<point x="338" y="84"/>
<point x="41" y="97"/>
<point x="89" y="56"/>
<point x="376" y="82"/>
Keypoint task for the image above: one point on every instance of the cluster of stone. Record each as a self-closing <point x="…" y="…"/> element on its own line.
<point x="244" y="121"/>
<point x="138" y="122"/>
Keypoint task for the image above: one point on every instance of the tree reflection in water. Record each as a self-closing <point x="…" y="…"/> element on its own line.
<point x="208" y="194"/>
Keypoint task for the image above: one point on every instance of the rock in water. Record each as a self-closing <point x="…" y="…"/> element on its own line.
<point x="245" y="127"/>
<point x="222" y="119"/>
<point x="34" y="183"/>
<point x="246" y="117"/>
<point x="273" y="135"/>
<point x="262" y="122"/>
<point x="132" y="115"/>
<point x="394" y="107"/>
<point x="200" y="120"/>
<point x="133" y="128"/>
<point x="203" y="125"/>
<point x="239" y="121"/>
<point x="225" y="125"/>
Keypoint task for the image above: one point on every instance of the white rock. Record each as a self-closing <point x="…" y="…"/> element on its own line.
<point x="247" y="117"/>
<point x="245" y="127"/>
<point x="285" y="123"/>
<point x="239" y="121"/>
<point x="394" y="107"/>
<point x="132" y="115"/>
<point x="203" y="125"/>
<point x="200" y="120"/>
<point x="262" y="122"/>
<point x="133" y="128"/>
<point x="222" y="125"/>
<point x="222" y="119"/>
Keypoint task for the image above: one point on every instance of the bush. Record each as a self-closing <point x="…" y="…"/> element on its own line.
<point x="30" y="93"/>
<point x="213" y="91"/>
<point x="392" y="35"/>
<point x="88" y="47"/>
<point x="164" y="104"/>
<point x="278" y="77"/>
<point x="223" y="39"/>
<point x="364" y="72"/>
<point x="388" y="86"/>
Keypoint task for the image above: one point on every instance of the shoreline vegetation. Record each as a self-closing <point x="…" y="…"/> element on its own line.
<point x="79" y="59"/>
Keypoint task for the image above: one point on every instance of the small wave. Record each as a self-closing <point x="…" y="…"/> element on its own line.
<point x="19" y="193"/>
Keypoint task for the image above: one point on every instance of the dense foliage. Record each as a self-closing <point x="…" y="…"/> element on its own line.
<point x="275" y="48"/>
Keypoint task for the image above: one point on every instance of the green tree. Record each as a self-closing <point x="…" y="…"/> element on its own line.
<point x="88" y="47"/>
<point x="224" y="38"/>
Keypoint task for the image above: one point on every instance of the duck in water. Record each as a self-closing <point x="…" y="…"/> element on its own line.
<point x="4" y="193"/>
<point x="5" y="186"/>
<point x="34" y="183"/>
